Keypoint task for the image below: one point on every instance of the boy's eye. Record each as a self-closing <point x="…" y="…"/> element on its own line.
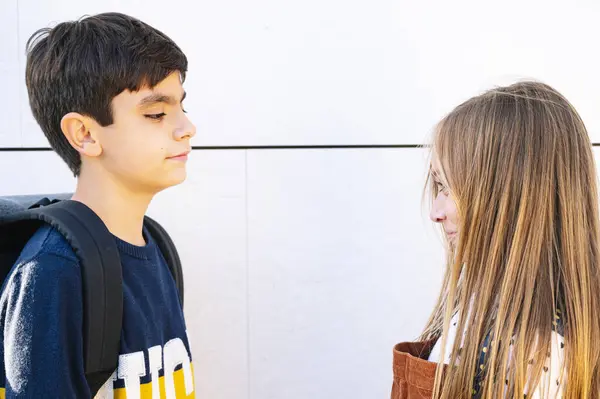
<point x="156" y="116"/>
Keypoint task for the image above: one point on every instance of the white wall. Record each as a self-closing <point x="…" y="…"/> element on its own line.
<point x="304" y="267"/>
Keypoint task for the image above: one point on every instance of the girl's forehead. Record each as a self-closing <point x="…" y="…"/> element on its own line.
<point x="436" y="170"/>
<point x="434" y="167"/>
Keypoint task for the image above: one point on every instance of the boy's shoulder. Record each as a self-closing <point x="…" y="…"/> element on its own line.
<point x="47" y="243"/>
<point x="47" y="265"/>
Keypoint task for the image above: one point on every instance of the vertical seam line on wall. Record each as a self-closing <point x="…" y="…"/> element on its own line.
<point x="248" y="353"/>
<point x="19" y="67"/>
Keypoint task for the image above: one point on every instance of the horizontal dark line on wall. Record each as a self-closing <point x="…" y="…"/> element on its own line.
<point x="25" y="149"/>
<point x="259" y="147"/>
<point x="251" y="147"/>
<point x="308" y="147"/>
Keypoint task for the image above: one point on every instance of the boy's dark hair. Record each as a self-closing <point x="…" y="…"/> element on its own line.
<point x="80" y="66"/>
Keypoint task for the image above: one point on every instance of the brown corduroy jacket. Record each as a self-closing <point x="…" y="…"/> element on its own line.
<point x="414" y="375"/>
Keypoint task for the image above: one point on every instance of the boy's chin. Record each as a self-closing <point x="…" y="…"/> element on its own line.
<point x="154" y="187"/>
<point x="174" y="179"/>
<point x="163" y="187"/>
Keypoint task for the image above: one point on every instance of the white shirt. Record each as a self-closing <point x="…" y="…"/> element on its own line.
<point x="550" y="379"/>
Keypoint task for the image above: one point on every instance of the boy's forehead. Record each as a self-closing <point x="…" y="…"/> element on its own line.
<point x="171" y="86"/>
<point x="172" y="82"/>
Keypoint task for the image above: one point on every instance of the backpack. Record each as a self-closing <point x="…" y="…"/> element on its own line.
<point x="96" y="249"/>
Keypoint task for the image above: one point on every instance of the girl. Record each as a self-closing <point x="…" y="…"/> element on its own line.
<point x="514" y="187"/>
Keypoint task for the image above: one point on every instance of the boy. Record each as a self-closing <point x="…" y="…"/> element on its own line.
<point x="107" y="92"/>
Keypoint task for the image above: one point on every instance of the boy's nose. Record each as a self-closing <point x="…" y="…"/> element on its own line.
<point x="187" y="131"/>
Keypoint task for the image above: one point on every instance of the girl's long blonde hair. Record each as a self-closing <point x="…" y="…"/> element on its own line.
<point x="520" y="168"/>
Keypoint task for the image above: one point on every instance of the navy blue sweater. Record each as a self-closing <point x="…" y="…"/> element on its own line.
<point x="41" y="322"/>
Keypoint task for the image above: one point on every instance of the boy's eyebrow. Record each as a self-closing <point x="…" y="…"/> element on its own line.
<point x="160" y="98"/>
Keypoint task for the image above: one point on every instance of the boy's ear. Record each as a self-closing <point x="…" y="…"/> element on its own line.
<point x="79" y="131"/>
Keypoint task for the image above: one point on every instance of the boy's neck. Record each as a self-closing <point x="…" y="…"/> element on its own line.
<point x="121" y="209"/>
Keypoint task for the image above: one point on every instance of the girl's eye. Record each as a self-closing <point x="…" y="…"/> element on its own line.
<point x="156" y="117"/>
<point x="441" y="188"/>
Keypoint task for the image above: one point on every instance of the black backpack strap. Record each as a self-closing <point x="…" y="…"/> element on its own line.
<point x="169" y="252"/>
<point x="102" y="283"/>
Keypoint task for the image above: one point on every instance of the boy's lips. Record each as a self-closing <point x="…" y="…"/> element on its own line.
<point x="180" y="157"/>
